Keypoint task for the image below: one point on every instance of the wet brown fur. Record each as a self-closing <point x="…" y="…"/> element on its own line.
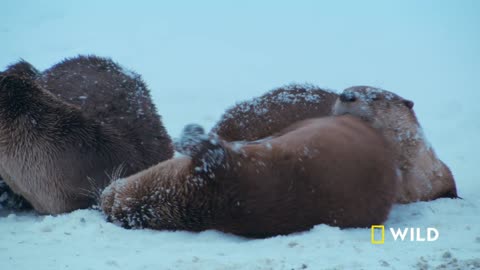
<point x="423" y="175"/>
<point x="333" y="170"/>
<point x="63" y="132"/>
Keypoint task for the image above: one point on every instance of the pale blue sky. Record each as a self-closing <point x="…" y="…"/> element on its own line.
<point x="232" y="50"/>
<point x="334" y="44"/>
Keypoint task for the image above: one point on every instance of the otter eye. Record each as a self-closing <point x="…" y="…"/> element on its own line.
<point x="347" y="97"/>
<point x="408" y="103"/>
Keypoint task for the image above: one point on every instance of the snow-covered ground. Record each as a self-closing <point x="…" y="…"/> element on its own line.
<point x="201" y="57"/>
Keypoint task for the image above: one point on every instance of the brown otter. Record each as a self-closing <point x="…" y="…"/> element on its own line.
<point x="332" y="170"/>
<point x="63" y="132"/>
<point x="270" y="113"/>
<point x="423" y="176"/>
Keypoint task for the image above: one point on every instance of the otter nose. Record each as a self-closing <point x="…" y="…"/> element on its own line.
<point x="347" y="97"/>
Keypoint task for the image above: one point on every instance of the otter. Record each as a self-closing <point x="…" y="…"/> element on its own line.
<point x="332" y="170"/>
<point x="424" y="176"/>
<point x="270" y="113"/>
<point x="66" y="131"/>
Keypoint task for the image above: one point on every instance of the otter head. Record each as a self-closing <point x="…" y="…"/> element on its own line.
<point x="381" y="108"/>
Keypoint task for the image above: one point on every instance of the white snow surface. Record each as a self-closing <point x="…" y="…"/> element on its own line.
<point x="200" y="57"/>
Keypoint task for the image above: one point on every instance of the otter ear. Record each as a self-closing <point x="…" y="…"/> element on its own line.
<point x="16" y="94"/>
<point x="408" y="103"/>
<point x="22" y="68"/>
<point x="13" y="85"/>
<point x="208" y="156"/>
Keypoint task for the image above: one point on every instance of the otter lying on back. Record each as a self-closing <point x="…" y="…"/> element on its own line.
<point x="64" y="132"/>
<point x="333" y="170"/>
<point x="423" y="175"/>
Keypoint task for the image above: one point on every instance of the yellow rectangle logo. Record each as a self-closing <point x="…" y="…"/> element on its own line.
<point x="376" y="227"/>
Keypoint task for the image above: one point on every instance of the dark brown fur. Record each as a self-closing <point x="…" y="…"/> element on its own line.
<point x="270" y="113"/>
<point x="115" y="96"/>
<point x="65" y="131"/>
<point x="423" y="175"/>
<point x="334" y="170"/>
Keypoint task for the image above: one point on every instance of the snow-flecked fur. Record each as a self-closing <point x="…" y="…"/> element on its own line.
<point x="63" y="132"/>
<point x="423" y="175"/>
<point x="332" y="170"/>
<point x="277" y="109"/>
<point x="115" y="96"/>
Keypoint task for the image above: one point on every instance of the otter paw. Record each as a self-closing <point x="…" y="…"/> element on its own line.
<point x="11" y="201"/>
<point x="124" y="204"/>
<point x="107" y="198"/>
<point x="192" y="135"/>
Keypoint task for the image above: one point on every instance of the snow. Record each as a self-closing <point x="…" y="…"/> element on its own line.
<point x="370" y="94"/>
<point x="83" y="240"/>
<point x="200" y="58"/>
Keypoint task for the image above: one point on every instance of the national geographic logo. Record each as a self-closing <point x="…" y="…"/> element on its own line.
<point x="404" y="234"/>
